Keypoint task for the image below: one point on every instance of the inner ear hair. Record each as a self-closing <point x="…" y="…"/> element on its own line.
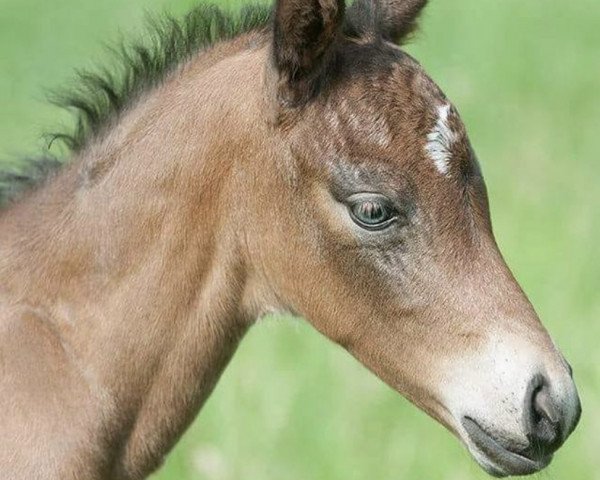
<point x="393" y="20"/>
<point x="303" y="36"/>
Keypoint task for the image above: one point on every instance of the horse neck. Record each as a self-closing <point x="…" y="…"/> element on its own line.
<point x="128" y="256"/>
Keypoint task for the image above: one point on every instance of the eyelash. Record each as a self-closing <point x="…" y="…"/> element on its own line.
<point x="388" y="212"/>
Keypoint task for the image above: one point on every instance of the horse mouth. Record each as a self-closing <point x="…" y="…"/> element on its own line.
<point x="497" y="460"/>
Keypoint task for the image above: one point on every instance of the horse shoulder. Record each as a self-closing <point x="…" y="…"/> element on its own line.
<point x="47" y="408"/>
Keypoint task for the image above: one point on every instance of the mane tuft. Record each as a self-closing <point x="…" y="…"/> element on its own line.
<point x="101" y="96"/>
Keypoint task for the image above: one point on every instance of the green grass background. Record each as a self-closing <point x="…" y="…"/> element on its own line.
<point x="526" y="77"/>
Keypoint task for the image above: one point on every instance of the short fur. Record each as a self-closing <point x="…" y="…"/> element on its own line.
<point x="128" y="279"/>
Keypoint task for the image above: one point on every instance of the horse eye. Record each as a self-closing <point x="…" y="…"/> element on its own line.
<point x="372" y="212"/>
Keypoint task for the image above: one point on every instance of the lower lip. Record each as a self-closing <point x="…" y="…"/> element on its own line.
<point x="502" y="462"/>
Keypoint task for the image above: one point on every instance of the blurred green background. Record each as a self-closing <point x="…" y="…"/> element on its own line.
<point x="526" y="78"/>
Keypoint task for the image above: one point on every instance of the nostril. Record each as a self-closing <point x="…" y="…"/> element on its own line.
<point x="543" y="419"/>
<point x="543" y="406"/>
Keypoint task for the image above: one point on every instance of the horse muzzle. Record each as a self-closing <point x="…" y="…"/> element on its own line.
<point x="548" y="419"/>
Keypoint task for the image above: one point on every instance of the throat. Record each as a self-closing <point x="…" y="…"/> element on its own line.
<point x="162" y="340"/>
<point x="173" y="390"/>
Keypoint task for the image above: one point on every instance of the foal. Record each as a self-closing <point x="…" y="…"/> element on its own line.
<point x="302" y="163"/>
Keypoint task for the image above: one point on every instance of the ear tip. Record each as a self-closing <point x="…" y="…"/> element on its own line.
<point x="394" y="20"/>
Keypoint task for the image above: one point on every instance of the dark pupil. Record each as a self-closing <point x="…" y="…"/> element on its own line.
<point x="371" y="212"/>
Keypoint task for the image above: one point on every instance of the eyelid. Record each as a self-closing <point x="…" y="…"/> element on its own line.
<point x="368" y="196"/>
<point x="376" y="227"/>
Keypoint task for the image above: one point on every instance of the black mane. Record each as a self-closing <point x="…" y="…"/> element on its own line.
<point x="101" y="96"/>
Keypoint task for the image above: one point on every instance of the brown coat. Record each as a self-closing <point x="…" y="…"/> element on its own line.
<point x="313" y="168"/>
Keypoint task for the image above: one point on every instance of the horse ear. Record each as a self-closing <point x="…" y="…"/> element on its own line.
<point x="393" y="20"/>
<point x="304" y="32"/>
